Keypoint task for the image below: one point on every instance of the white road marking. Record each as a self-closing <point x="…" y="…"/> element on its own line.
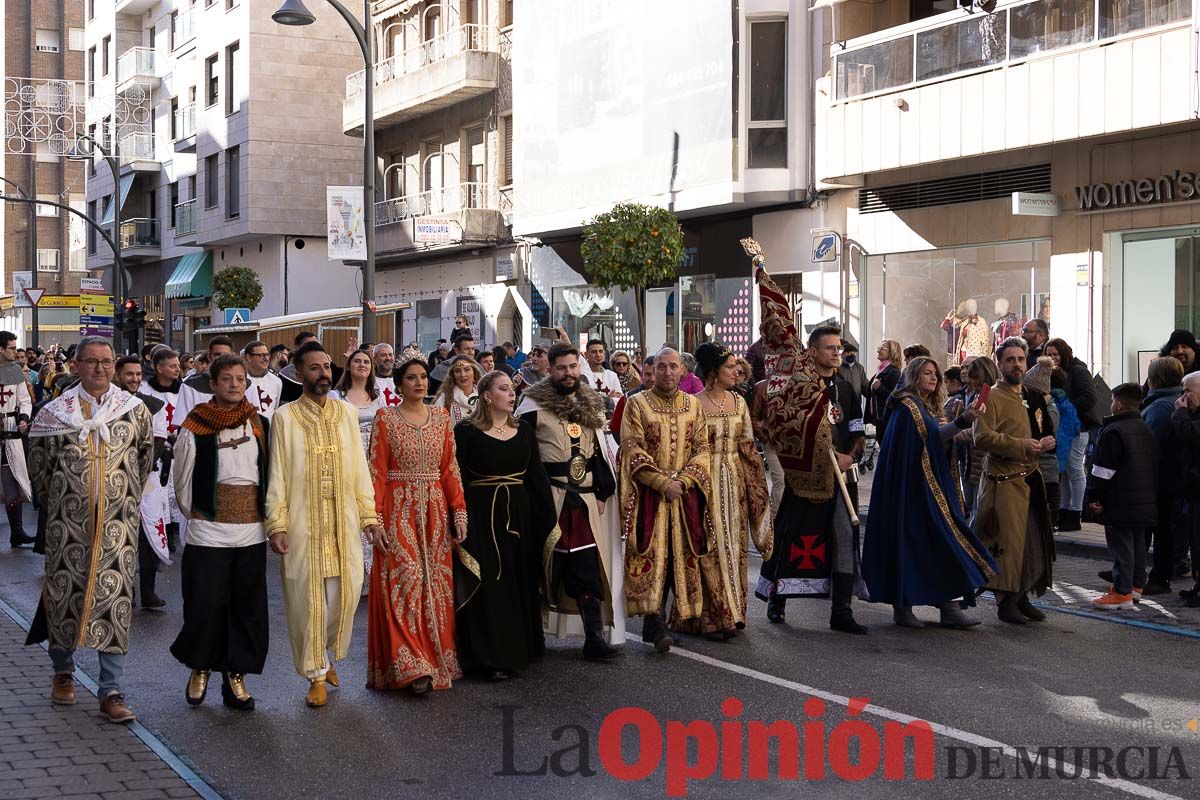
<point x="1118" y="784"/>
<point x="1085" y="595"/>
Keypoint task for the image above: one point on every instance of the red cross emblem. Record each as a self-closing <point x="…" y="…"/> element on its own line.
<point x="171" y="426"/>
<point x="5" y="394"/>
<point x="390" y="398"/>
<point x="808" y="556"/>
<point x="161" y="529"/>
<point x="264" y="400"/>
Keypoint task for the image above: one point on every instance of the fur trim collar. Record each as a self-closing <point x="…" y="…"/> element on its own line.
<point x="585" y="406"/>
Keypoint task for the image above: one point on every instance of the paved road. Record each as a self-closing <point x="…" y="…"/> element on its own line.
<point x="1073" y="681"/>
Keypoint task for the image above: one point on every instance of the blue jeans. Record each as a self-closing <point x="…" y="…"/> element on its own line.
<point x="1074" y="480"/>
<point x="112" y="668"/>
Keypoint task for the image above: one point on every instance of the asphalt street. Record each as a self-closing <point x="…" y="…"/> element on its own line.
<point x="1073" y="682"/>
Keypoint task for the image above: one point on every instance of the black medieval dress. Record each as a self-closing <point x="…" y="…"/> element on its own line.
<point x="498" y="568"/>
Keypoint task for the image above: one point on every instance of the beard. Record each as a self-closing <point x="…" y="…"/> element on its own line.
<point x="1013" y="378"/>
<point x="567" y="385"/>
<point x="320" y="388"/>
<point x="383" y="372"/>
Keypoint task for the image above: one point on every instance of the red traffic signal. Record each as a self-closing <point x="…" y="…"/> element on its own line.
<point x="130" y="305"/>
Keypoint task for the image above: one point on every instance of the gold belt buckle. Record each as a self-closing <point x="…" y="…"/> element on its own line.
<point x="577" y="469"/>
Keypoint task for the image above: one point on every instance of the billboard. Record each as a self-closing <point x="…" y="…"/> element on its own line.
<point x="619" y="100"/>
<point x="346" y="223"/>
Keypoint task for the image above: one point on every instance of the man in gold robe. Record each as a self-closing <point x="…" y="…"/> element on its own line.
<point x="90" y="453"/>
<point x="665" y="496"/>
<point x="320" y="497"/>
<point x="1012" y="517"/>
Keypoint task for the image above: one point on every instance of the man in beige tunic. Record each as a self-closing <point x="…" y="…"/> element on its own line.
<point x="665" y="490"/>
<point x="319" y="498"/>
<point x="90" y="453"/>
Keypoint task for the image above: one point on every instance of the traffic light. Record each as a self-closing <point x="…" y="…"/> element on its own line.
<point x="137" y="317"/>
<point x="118" y="319"/>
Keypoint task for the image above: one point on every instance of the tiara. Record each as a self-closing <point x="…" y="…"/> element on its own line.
<point x="409" y="354"/>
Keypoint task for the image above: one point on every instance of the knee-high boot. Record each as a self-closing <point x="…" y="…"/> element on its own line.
<point x="840" y="616"/>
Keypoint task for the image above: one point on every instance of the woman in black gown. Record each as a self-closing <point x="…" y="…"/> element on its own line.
<point x="510" y="511"/>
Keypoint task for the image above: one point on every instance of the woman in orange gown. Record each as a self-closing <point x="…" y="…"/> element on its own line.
<point x="419" y="496"/>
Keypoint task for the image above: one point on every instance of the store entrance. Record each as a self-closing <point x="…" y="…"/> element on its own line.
<point x="1160" y="293"/>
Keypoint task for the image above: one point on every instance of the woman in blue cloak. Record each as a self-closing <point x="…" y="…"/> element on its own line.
<point x="919" y="549"/>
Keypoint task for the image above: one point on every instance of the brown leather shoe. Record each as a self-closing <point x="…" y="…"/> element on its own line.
<point x="197" y="687"/>
<point x="316" y="696"/>
<point x="62" y="689"/>
<point x="113" y="708"/>
<point x="331" y="677"/>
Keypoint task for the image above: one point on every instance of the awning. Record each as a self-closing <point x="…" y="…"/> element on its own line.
<point x="126" y="185"/>
<point x="192" y="276"/>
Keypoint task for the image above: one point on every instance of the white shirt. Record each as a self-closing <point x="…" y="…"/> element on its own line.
<point x="605" y="381"/>
<point x="263" y="393"/>
<point x="166" y="421"/>
<point x="237" y="466"/>
<point x="189" y="398"/>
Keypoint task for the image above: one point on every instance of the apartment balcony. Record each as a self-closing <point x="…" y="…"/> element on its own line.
<point x="182" y="28"/>
<point x="185" y="129"/>
<point x="465" y="213"/>
<point x="1032" y="73"/>
<point x="140" y="240"/>
<point x="185" y="222"/>
<point x="134" y="6"/>
<point x="137" y="68"/>
<point x="136" y="151"/>
<point x="460" y="64"/>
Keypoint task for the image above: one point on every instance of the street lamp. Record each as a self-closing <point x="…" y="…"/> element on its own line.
<point x="33" y="275"/>
<point x="115" y="242"/>
<point x="293" y="12"/>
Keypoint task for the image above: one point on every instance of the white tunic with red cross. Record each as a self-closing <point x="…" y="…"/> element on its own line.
<point x="167" y="420"/>
<point x="263" y="392"/>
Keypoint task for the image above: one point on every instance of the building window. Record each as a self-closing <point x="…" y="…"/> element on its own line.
<point x="233" y="189"/>
<point x="75" y="39"/>
<point x="47" y="211"/>
<point x="191" y="187"/>
<point x="475" y="168"/>
<point x="393" y="185"/>
<point x="233" y="100"/>
<point x="506" y="13"/>
<point x="77" y="235"/>
<point x="174" y="119"/>
<point x="211" y="187"/>
<point x="105" y="47"/>
<point x="91" y="232"/>
<point x="230" y="4"/>
<point x="767" y="128"/>
<point x="431" y="169"/>
<point x="92" y="161"/>
<point x="172" y="31"/>
<point x="47" y="260"/>
<point x="506" y="134"/>
<point x="91" y="72"/>
<point x="212" y="81"/>
<point x="45" y="155"/>
<point x="433" y="23"/>
<point x="920" y="9"/>
<point x="174" y="200"/>
<point x="91" y="9"/>
<point x="152" y="204"/>
<point x="46" y="41"/>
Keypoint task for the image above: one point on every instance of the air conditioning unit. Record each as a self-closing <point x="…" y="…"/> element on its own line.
<point x="46" y="48"/>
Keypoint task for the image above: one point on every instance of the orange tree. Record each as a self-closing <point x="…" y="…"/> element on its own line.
<point x="633" y="246"/>
<point x="237" y="287"/>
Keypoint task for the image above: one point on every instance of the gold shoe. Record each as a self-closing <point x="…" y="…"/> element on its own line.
<point x="331" y="677"/>
<point x="197" y="687"/>
<point x="316" y="696"/>
<point x="234" y="693"/>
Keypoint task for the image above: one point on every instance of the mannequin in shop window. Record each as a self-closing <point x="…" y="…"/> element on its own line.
<point x="974" y="334"/>
<point x="1007" y="324"/>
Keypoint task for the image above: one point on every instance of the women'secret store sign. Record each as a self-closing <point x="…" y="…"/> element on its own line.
<point x="1174" y="187"/>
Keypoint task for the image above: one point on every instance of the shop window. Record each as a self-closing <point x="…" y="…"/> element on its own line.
<point x="957" y="302"/>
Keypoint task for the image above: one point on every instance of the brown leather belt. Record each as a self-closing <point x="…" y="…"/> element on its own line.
<point x="1013" y="477"/>
<point x="236" y="504"/>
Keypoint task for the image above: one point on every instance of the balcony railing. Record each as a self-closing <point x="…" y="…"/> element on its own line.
<point x="954" y="43"/>
<point x="447" y="200"/>
<point x="185" y="122"/>
<point x="136" y="62"/>
<point x="137" y="146"/>
<point x="481" y="38"/>
<point x="185" y="218"/>
<point x="140" y="233"/>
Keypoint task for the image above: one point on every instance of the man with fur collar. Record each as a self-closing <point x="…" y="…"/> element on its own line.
<point x="584" y="565"/>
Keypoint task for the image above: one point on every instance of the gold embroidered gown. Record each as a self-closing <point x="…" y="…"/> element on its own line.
<point x="410" y="620"/>
<point x="739" y="509"/>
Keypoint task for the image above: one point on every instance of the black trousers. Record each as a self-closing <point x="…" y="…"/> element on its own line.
<point x="1169" y="521"/>
<point x="225" y="626"/>
<point x="147" y="564"/>
<point x="579" y="572"/>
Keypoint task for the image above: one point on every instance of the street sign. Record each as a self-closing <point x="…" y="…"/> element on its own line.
<point x="34" y="295"/>
<point x="91" y="286"/>
<point x="825" y="246"/>
<point x="237" y="316"/>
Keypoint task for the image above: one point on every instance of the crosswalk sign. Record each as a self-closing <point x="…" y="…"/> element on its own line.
<point x="237" y="316"/>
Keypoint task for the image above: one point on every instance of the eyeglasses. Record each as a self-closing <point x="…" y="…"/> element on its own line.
<point x="92" y="363"/>
<point x="263" y="354"/>
<point x="620" y="363"/>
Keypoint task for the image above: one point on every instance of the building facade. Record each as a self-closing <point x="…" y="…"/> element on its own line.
<point x="1038" y="161"/>
<point x="226" y="128"/>
<point x="43" y="51"/>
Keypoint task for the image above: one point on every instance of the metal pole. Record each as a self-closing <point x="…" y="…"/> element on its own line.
<point x="368" y="298"/>
<point x="33" y="248"/>
<point x="118" y="268"/>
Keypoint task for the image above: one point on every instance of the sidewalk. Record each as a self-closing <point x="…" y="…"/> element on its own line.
<point x="68" y="751"/>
